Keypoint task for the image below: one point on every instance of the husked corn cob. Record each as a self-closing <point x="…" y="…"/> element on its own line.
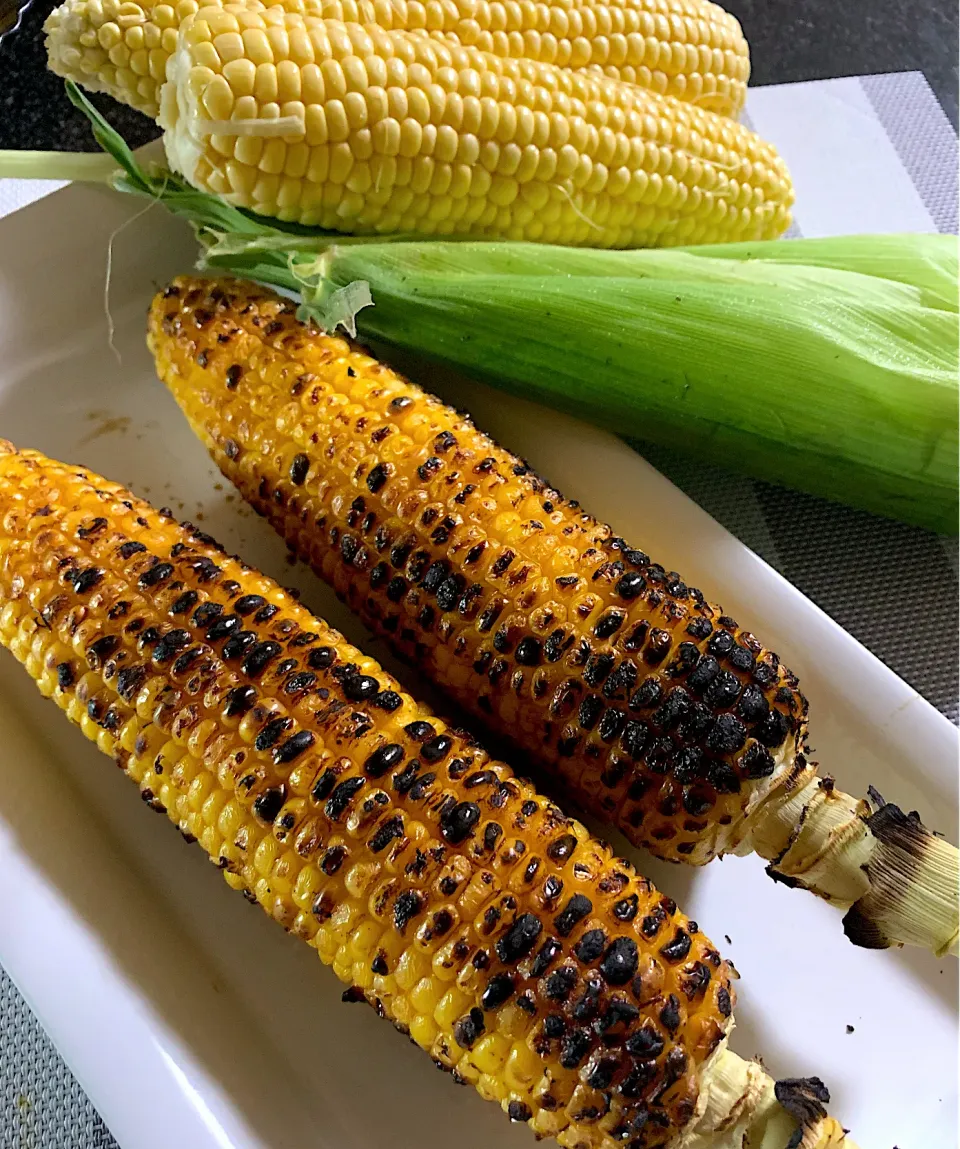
<point x="656" y="711"/>
<point x="690" y="49"/>
<point x="357" y="129"/>
<point x="465" y="907"/>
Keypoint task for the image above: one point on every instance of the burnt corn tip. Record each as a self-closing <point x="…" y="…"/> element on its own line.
<point x="908" y="858"/>
<point x="804" y="1098"/>
<point x="904" y="879"/>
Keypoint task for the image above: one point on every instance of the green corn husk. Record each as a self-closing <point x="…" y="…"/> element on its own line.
<point x="828" y="365"/>
<point x="838" y="382"/>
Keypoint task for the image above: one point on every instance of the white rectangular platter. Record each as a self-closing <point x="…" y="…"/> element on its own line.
<point x="188" y="1017"/>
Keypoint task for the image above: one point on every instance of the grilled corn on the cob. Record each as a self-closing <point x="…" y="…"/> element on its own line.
<point x="449" y="894"/>
<point x="657" y="712"/>
<point x="690" y="49"/>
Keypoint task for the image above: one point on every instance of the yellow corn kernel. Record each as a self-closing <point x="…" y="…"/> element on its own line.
<point x="425" y="996"/>
<point x="489" y="1054"/>
<point x="423" y="1030"/>
<point x="364" y="941"/>
<point x="408" y="972"/>
<point x="451" y="1006"/>
<point x="522" y="1067"/>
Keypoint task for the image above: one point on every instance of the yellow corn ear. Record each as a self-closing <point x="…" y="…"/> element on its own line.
<point x="657" y="713"/>
<point x="691" y="49"/>
<point x="465" y="907"/>
<point x="363" y="130"/>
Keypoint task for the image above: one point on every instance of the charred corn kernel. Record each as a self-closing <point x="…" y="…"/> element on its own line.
<point x="179" y="640"/>
<point x="688" y="174"/>
<point x="700" y="56"/>
<point x="652" y="706"/>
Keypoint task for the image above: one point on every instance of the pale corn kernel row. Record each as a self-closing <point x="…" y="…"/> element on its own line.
<point x="657" y="712"/>
<point x="690" y="49"/>
<point x="362" y="130"/>
<point x="465" y="907"/>
<point x="116" y="46"/>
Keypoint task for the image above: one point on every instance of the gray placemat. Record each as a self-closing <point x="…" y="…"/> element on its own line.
<point x="852" y="565"/>
<point x="41" y="1103"/>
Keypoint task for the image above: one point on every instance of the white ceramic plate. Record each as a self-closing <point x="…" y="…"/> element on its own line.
<point x="193" y="1021"/>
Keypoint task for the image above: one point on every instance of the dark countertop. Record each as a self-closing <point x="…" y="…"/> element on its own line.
<point x="790" y="40"/>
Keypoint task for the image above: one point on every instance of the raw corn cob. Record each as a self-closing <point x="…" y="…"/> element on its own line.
<point x="652" y="708"/>
<point x="357" y="129"/>
<point x="690" y="49"/>
<point x="447" y="893"/>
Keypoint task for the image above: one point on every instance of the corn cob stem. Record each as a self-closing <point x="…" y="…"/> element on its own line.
<point x="282" y="768"/>
<point x="897" y="882"/>
<point x="697" y="53"/>
<point x="80" y="167"/>
<point x="746" y="1109"/>
<point x="90" y="167"/>
<point x="653" y="709"/>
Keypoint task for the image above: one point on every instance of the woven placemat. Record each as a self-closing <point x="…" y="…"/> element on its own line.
<point x="41" y="1103"/>
<point x="851" y="564"/>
